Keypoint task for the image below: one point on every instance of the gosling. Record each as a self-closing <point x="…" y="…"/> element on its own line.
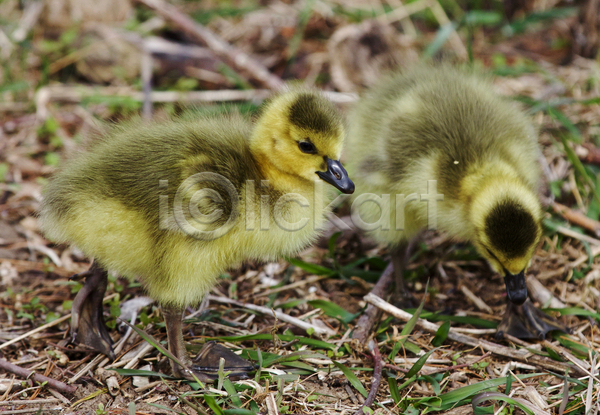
<point x="455" y="157"/>
<point x="176" y="203"/>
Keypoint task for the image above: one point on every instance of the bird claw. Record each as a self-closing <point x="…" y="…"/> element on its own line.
<point x="527" y="322"/>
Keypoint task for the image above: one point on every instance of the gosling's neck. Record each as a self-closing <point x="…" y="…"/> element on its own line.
<point x="485" y="188"/>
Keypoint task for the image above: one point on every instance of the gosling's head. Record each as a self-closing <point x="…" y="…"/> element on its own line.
<point x="508" y="230"/>
<point x="299" y="133"/>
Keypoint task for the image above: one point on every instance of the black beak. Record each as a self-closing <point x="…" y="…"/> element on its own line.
<point x="516" y="288"/>
<point x="337" y="176"/>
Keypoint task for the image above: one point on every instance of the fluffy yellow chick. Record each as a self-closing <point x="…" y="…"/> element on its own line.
<point x="178" y="202"/>
<point x="453" y="156"/>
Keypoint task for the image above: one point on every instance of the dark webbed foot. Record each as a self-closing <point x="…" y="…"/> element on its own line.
<point x="527" y="322"/>
<point x="205" y="366"/>
<point x="208" y="359"/>
<point x="87" y="323"/>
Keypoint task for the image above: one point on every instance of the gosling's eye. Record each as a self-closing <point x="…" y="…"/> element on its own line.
<point x="307" y="147"/>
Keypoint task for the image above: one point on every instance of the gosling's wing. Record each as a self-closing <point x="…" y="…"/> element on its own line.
<point x="141" y="168"/>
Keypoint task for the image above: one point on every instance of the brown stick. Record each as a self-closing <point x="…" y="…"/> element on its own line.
<point x="224" y="50"/>
<point x="371" y="315"/>
<point x="517" y="354"/>
<point x="24" y="373"/>
<point x="377" y="371"/>
<point x="577" y="218"/>
<point x="448" y="368"/>
<point x="592" y="156"/>
<point x="22" y="266"/>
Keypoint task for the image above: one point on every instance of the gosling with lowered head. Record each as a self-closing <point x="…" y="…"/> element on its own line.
<point x="439" y="134"/>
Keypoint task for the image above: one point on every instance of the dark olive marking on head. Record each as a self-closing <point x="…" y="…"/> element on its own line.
<point x="511" y="229"/>
<point x="313" y="113"/>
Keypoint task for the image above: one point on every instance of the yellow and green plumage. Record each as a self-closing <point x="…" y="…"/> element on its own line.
<point x="446" y="125"/>
<point x="119" y="201"/>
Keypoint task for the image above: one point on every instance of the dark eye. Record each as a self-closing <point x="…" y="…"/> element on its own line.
<point x="307" y="147"/>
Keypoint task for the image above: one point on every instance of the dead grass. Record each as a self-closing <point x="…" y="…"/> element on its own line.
<point x="300" y="371"/>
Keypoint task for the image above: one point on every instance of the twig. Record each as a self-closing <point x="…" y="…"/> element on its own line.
<point x="520" y="354"/>
<point x="576" y="235"/>
<point x="24" y="373"/>
<point x="539" y="293"/>
<point x="588" y="153"/>
<point x="146" y="75"/>
<point x="377" y="371"/>
<point x="479" y="303"/>
<point x="75" y="94"/>
<point x="407" y="24"/>
<point x="148" y="386"/>
<point x="23" y="265"/>
<point x="60" y="397"/>
<point x="595" y="251"/>
<point x="34" y="331"/>
<point x="271" y="404"/>
<point x="296" y="284"/>
<point x="584" y="366"/>
<point x="140" y="355"/>
<point x="224" y="50"/>
<point x="30" y="16"/>
<point x="87" y="368"/>
<point x="577" y="218"/>
<point x="396" y="368"/>
<point x="31" y="410"/>
<point x="449" y="368"/>
<point x="371" y="314"/>
<point x="28" y="402"/>
<point x="280" y="316"/>
<point x="516" y="340"/>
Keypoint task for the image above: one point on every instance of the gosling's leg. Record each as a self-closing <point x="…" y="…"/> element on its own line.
<point x="206" y="365"/>
<point x="87" y="323"/>
<point x="400" y="257"/>
<point x="527" y="322"/>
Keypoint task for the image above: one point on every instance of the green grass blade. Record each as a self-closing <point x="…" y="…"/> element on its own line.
<point x="212" y="404"/>
<point x="232" y="392"/>
<point x="410" y="324"/>
<point x="441" y="334"/>
<point x="333" y="310"/>
<point x="441" y="37"/>
<point x="578" y="165"/>
<point x="574" y="311"/>
<point x="155" y="343"/>
<point x="488" y="396"/>
<point x="137" y="372"/>
<point x="419" y="364"/>
<point x="451" y="398"/>
<point x="312" y="268"/>
<point x="394" y="392"/>
<point x="566" y="122"/>
<point x="352" y="379"/>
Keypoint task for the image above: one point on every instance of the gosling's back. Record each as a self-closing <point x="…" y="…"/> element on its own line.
<point x="435" y="123"/>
